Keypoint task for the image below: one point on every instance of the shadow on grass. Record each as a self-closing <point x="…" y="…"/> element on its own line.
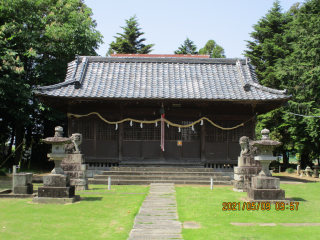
<point x="91" y="199"/>
<point x="298" y="199"/>
<point x="97" y="188"/>
<point x="288" y="178"/>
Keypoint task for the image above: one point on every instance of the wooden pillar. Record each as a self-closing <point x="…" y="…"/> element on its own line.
<point x="202" y="141"/>
<point x="120" y="127"/>
<point x="253" y="122"/>
<point x="70" y="127"/>
<point x="95" y="123"/>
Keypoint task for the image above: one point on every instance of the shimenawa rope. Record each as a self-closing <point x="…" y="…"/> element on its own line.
<point x="158" y="120"/>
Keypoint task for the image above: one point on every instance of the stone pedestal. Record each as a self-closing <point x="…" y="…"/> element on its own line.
<point x="266" y="188"/>
<point x="75" y="168"/>
<point x="246" y="170"/>
<point x="56" y="189"/>
<point x="22" y="183"/>
<point x="316" y="171"/>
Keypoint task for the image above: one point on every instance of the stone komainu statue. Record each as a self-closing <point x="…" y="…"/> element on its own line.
<point x="247" y="150"/>
<point x="73" y="147"/>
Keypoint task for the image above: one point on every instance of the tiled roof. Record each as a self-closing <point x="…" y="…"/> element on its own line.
<point x="161" y="78"/>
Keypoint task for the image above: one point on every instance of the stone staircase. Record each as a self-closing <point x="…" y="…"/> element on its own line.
<point x="148" y="175"/>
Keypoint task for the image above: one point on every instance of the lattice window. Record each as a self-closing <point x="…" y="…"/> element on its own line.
<point x="214" y="134"/>
<point x="106" y="131"/>
<point x="187" y="134"/>
<point x="151" y="132"/>
<point x="171" y="133"/>
<point x="83" y="126"/>
<point x="132" y="132"/>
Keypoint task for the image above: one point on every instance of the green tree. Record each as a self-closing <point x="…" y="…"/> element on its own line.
<point x="130" y="41"/>
<point x="37" y="40"/>
<point x="295" y="66"/>
<point x="299" y="72"/>
<point x="187" y="47"/>
<point x="213" y="49"/>
<point x="268" y="44"/>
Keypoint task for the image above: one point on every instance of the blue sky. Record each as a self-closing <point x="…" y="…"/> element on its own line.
<point x="167" y="23"/>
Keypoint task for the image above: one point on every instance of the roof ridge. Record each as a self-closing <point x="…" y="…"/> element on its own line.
<point x="261" y="87"/>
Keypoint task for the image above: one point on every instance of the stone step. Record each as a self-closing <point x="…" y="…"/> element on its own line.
<point x="161" y="177"/>
<point x="148" y="182"/>
<point x="209" y="174"/>
<point x="162" y="169"/>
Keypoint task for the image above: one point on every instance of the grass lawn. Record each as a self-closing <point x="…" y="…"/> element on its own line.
<point x="204" y="206"/>
<point x="102" y="214"/>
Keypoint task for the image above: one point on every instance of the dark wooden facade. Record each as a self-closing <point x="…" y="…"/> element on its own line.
<point x="207" y="144"/>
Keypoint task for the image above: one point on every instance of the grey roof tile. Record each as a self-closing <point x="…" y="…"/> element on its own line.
<point x="155" y="78"/>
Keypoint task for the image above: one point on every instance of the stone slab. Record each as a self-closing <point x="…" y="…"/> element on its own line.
<point x="248" y="162"/>
<point x="74" y="167"/>
<point x="265" y="194"/>
<point x="156" y="221"/>
<point x="56" y="192"/>
<point x="156" y="226"/>
<point x="23" y="189"/>
<point x="267" y="224"/>
<point x="56" y="180"/>
<point x="247" y="170"/>
<point x="155" y="231"/>
<point x="241" y="185"/>
<point x="299" y="224"/>
<point x="17" y="195"/>
<point x="265" y="183"/>
<point x="155" y="236"/>
<point x="22" y="179"/>
<point x="74" y="158"/>
<point x="73" y="199"/>
<point x="76" y="174"/>
<point x="81" y="188"/>
<point x="153" y="218"/>
<point x="78" y="181"/>
<point x="242" y="224"/>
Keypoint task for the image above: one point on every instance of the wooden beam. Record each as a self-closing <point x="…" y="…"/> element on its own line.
<point x="202" y="140"/>
<point x="121" y="135"/>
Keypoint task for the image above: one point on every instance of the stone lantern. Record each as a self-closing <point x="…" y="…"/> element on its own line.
<point x="58" y="149"/>
<point x="56" y="186"/>
<point x="264" y="186"/>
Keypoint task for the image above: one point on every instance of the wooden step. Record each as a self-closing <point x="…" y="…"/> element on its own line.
<point x="161" y="169"/>
<point x="150" y="173"/>
<point x="161" y="177"/>
<point x="148" y="182"/>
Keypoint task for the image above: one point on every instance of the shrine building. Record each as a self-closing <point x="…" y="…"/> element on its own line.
<point x="218" y="98"/>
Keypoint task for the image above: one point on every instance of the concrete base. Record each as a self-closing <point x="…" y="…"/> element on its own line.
<point x="28" y="189"/>
<point x="265" y="194"/>
<point x="241" y="186"/>
<point x="56" y="192"/>
<point x="44" y="200"/>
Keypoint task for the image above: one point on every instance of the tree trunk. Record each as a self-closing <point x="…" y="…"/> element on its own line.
<point x="285" y="158"/>
<point x="11" y="142"/>
<point x="19" y="135"/>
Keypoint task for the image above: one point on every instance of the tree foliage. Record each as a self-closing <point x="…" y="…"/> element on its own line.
<point x="37" y="40"/>
<point x="213" y="49"/>
<point x="130" y="41"/>
<point x="188" y="47"/>
<point x="268" y="44"/>
<point x="286" y="53"/>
